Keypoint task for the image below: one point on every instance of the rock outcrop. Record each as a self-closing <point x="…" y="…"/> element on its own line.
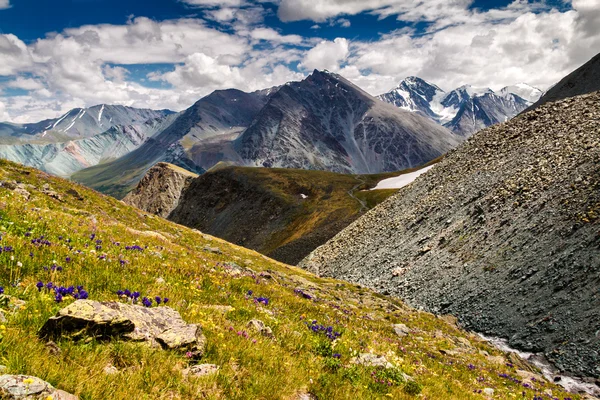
<point x="158" y="326"/>
<point x="503" y="233"/>
<point x="160" y="189"/>
<point x="23" y="387"/>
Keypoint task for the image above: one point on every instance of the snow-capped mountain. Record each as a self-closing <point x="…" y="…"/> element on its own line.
<point x="464" y="110"/>
<point x="81" y="138"/>
<point x="524" y="91"/>
<point x="77" y="124"/>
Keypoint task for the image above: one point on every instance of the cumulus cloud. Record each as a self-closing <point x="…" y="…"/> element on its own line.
<point x="14" y="54"/>
<point x="410" y="10"/>
<point x="327" y="55"/>
<point x="4" y="4"/>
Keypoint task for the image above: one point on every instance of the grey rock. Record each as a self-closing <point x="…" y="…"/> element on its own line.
<point x="371" y="360"/>
<point x="401" y="329"/>
<point x="23" y="387"/>
<point x="110" y="370"/>
<point x="214" y="250"/>
<point x="160" y="189"/>
<point x="260" y="327"/>
<point x="104" y="320"/>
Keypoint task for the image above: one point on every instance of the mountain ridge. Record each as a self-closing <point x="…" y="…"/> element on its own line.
<point x="464" y="110"/>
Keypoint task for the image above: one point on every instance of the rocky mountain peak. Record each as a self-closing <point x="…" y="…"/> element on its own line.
<point x="160" y="189"/>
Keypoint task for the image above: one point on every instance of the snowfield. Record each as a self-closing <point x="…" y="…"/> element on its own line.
<point x="402" y="180"/>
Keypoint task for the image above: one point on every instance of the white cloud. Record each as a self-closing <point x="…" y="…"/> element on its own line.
<point x="411" y="10"/>
<point x="272" y="35"/>
<point x="4" y="4"/>
<point x="14" y="54"/>
<point x="327" y="55"/>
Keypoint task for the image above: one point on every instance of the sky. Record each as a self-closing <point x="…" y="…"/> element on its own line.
<point x="56" y="55"/>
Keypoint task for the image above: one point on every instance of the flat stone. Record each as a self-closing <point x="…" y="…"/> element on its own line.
<point x="214" y="250"/>
<point x="201" y="370"/>
<point x="23" y="387"/>
<point x="371" y="360"/>
<point x="488" y="391"/>
<point x="401" y="329"/>
<point x="106" y="320"/>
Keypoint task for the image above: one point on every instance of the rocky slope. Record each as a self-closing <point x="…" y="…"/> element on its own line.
<point x="118" y="279"/>
<point x="503" y="233"/>
<point x="160" y="189"/>
<point x="464" y="110"/>
<point x="585" y="79"/>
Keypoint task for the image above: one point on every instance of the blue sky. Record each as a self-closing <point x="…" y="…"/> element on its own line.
<point x="167" y="54"/>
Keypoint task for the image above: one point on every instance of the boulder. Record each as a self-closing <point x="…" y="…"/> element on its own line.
<point x="23" y="387"/>
<point x="106" y="320"/>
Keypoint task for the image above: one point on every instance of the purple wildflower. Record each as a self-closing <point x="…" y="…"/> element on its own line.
<point x="147" y="302"/>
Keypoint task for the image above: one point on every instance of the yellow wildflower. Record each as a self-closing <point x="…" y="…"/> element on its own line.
<point x="28" y="381"/>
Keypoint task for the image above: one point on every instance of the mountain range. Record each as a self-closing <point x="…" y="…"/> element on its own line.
<point x="464" y="110"/>
<point x="322" y="123"/>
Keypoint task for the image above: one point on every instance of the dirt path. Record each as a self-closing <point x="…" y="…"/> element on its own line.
<point x="363" y="205"/>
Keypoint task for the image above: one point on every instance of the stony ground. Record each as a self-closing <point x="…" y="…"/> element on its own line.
<point x="504" y="233"/>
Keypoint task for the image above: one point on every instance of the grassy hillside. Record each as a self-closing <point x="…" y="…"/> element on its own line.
<point x="105" y="246"/>
<point x="283" y="213"/>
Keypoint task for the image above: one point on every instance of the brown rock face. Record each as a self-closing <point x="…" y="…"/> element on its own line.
<point x="160" y="189"/>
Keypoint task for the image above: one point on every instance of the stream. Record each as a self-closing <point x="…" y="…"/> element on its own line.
<point x="570" y="383"/>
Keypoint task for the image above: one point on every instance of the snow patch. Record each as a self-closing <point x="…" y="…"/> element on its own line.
<point x="60" y="120"/>
<point x="304" y="197"/>
<point x="100" y="114"/>
<point x="402" y="180"/>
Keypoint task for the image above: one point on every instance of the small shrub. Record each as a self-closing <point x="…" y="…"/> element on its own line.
<point x="412" y="388"/>
<point x="324" y="348"/>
